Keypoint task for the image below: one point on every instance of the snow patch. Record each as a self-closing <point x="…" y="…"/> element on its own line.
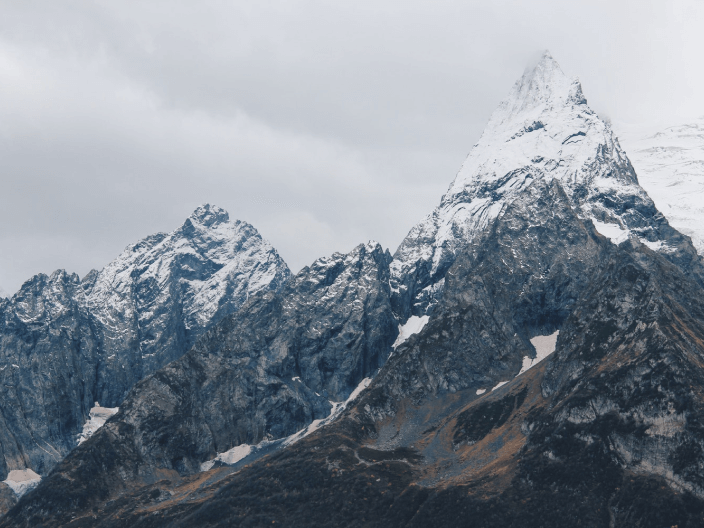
<point x="234" y="455"/>
<point x="660" y="246"/>
<point x="482" y="391"/>
<point x="356" y="392"/>
<point x="414" y="325"/>
<point x="98" y="417"/>
<point x="613" y="232"/>
<point x="500" y="384"/>
<point x="544" y="346"/>
<point x="22" y="480"/>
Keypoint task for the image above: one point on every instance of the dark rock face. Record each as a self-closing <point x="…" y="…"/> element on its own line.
<point x="48" y="351"/>
<point x="521" y="280"/>
<point x="7" y="498"/>
<point x="262" y="373"/>
<point x="269" y="370"/>
<point x="628" y="374"/>
<point x="65" y="343"/>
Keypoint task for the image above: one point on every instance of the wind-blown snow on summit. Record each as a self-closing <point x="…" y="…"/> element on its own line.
<point x="544" y="129"/>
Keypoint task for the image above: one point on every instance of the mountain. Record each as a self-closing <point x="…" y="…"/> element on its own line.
<point x="67" y="343"/>
<point x="670" y="167"/>
<point x="543" y="130"/>
<point x="533" y="355"/>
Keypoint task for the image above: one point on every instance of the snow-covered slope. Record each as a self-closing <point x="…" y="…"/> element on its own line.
<point x="542" y="130"/>
<point x="670" y="166"/>
<point x="162" y="292"/>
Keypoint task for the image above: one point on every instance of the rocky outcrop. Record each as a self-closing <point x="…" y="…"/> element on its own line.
<point x="49" y="350"/>
<point x="521" y="279"/>
<point x="153" y="301"/>
<point x="629" y="372"/>
<point x="67" y="343"/>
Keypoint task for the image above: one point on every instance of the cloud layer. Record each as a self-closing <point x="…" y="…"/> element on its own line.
<point x="324" y="124"/>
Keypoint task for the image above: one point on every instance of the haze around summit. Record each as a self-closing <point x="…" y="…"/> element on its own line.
<point x="321" y="125"/>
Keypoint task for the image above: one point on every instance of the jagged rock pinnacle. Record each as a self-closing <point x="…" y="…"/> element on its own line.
<point x="208" y="215"/>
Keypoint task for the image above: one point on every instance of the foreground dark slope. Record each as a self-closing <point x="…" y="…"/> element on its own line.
<point x="263" y="373"/>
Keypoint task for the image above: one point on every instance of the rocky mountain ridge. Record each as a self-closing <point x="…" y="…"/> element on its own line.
<point x="265" y="372"/>
<point x="67" y="343"/>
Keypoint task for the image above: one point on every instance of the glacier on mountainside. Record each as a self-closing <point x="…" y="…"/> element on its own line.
<point x="670" y="167"/>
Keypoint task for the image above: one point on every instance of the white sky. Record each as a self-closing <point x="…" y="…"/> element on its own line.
<point x="323" y="124"/>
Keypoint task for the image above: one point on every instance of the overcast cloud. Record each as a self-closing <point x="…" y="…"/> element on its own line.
<point x="323" y="124"/>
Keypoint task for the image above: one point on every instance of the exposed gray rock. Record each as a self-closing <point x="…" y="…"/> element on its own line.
<point x="153" y="301"/>
<point x="8" y="498"/>
<point x="65" y="343"/>
<point x="268" y="370"/>
<point x="49" y="352"/>
<point x="629" y="370"/>
<point x="520" y="280"/>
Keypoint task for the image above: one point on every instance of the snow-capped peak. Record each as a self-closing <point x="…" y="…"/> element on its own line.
<point x="543" y="86"/>
<point x="670" y="166"/>
<point x="543" y="130"/>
